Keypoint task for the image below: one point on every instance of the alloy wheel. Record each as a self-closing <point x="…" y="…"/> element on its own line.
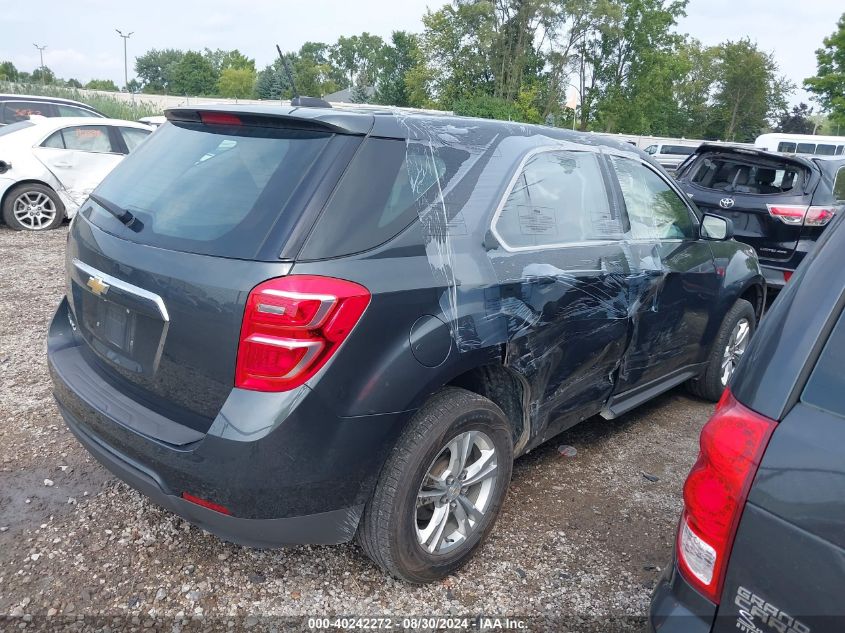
<point x="456" y="492"/>
<point x="34" y="210"/>
<point x="734" y="350"/>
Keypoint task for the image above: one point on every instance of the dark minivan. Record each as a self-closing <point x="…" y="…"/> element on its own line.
<point x="761" y="543"/>
<point x="295" y="325"/>
<point x="778" y="203"/>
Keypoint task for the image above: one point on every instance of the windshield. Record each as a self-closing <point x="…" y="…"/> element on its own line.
<point x="215" y="190"/>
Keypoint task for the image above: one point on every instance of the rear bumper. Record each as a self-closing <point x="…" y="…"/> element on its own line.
<point x="774" y="276"/>
<point x="678" y="608"/>
<point x="287" y="468"/>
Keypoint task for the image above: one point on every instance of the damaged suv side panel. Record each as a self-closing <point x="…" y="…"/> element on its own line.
<point x="554" y="318"/>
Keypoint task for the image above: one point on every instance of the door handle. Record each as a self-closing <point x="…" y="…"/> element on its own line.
<point x="63" y="165"/>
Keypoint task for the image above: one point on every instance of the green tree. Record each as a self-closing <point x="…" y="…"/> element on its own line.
<point x="273" y="82"/>
<point x="102" y="84"/>
<point x="43" y="75"/>
<point x="401" y="56"/>
<point x="236" y="83"/>
<point x="359" y="56"/>
<point x="798" y="121"/>
<point x="828" y="85"/>
<point x="221" y="60"/>
<point x="313" y="71"/>
<point x="8" y="72"/>
<point x="749" y="91"/>
<point x="155" y="69"/>
<point x="73" y="83"/>
<point x="194" y="74"/>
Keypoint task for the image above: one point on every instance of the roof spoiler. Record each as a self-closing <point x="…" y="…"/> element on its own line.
<point x="309" y="102"/>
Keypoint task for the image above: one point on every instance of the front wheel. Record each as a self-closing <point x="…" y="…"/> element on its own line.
<point x="441" y="488"/>
<point x="730" y="345"/>
<point x="33" y="207"/>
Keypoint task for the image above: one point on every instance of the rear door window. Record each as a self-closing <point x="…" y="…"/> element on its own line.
<point x="825" y="150"/>
<point x="677" y="150"/>
<point x="806" y="148"/>
<point x="133" y="136"/>
<point x="559" y="198"/>
<point x="87" y="138"/>
<point x="209" y="189"/>
<point x="825" y="389"/>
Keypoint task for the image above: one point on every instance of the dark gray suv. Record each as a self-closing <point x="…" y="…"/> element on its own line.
<point x="295" y="325"/>
<point x="761" y="542"/>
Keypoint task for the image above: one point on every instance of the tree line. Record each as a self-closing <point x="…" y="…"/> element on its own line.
<point x="623" y="60"/>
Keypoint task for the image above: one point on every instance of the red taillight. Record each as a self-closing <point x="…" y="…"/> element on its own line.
<point x="292" y="326"/>
<point x="219" y="118"/>
<point x="799" y="214"/>
<point x="787" y="275"/>
<point x="819" y="216"/>
<point x="205" y="503"/>
<point x="732" y="444"/>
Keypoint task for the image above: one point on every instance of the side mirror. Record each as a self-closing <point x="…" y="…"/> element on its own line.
<point x="4" y="166"/>
<point x="714" y="227"/>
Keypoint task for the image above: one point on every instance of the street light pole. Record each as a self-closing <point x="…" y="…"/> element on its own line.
<point x="41" y="52"/>
<point x="125" y="62"/>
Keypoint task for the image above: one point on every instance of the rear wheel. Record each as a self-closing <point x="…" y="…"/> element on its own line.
<point x="731" y="342"/>
<point x="441" y="489"/>
<point x="33" y="207"/>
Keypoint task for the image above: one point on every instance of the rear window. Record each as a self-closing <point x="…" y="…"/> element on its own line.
<point x="826" y="387"/>
<point x="736" y="175"/>
<point x="385" y="188"/>
<point x="215" y="190"/>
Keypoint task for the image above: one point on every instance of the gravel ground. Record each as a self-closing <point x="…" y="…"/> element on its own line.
<point x="581" y="539"/>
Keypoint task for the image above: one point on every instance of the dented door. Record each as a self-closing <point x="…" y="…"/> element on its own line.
<point x="80" y="157"/>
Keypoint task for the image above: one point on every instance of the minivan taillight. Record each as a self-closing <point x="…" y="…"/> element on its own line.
<point x="798" y="214"/>
<point x="731" y="446"/>
<point x="292" y="326"/>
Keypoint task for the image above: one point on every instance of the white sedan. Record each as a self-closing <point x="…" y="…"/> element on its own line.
<point x="48" y="166"/>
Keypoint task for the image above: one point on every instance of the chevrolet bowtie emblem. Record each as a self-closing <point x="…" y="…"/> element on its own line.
<point x="98" y="286"/>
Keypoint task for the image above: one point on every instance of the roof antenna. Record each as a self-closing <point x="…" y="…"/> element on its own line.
<point x="297" y="101"/>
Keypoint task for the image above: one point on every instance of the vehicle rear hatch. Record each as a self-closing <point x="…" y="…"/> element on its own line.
<point x="165" y="252"/>
<point x="765" y="195"/>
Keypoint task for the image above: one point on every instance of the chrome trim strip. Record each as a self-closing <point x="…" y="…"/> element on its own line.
<point x="326" y="304"/>
<point x="313" y="348"/>
<point x="124" y="286"/>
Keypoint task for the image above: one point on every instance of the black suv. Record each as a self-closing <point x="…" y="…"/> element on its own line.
<point x="14" y="108"/>
<point x="778" y="203"/>
<point x="761" y="543"/>
<point x="292" y="325"/>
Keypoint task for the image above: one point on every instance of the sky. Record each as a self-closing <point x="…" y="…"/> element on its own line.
<point x="82" y="43"/>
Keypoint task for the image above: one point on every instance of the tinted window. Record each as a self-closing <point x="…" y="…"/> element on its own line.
<point x="806" y="148"/>
<point x="788" y="148"/>
<point x="826" y="387"/>
<point x="215" y="190"/>
<point x="559" y="198"/>
<point x="839" y="149"/>
<point x="87" y="138"/>
<point x="736" y="175"/>
<point x="68" y="110"/>
<point x="14" y="111"/>
<point x="678" y="150"/>
<point x="133" y="136"/>
<point x="825" y="150"/>
<point x="655" y="211"/>
<point x="651" y="149"/>
<point x="839" y="185"/>
<point x="385" y="188"/>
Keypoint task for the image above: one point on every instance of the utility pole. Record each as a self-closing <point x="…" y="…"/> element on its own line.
<point x="125" y="62"/>
<point x="41" y="52"/>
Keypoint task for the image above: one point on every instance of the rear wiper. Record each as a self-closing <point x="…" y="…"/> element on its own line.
<point x="119" y="212"/>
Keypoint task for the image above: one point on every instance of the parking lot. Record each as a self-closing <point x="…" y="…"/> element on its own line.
<point x="581" y="539"/>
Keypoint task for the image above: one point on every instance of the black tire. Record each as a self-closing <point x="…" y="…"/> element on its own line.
<point x="388" y="529"/>
<point x="33" y="188"/>
<point x="709" y="384"/>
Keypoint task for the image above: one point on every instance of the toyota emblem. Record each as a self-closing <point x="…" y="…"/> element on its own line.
<point x="726" y="203"/>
